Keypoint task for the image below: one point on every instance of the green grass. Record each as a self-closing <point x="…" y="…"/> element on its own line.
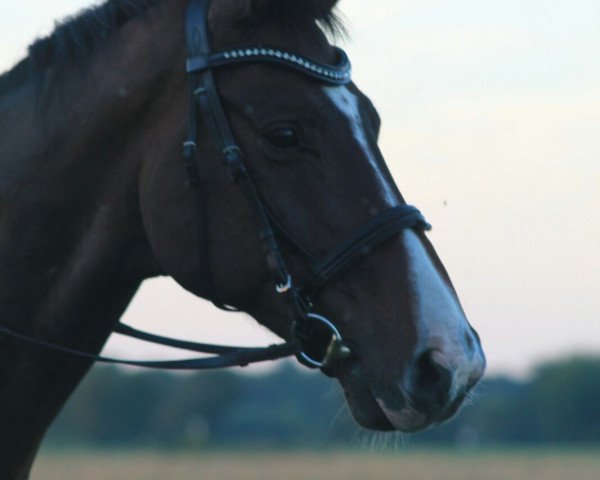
<point x="543" y="464"/>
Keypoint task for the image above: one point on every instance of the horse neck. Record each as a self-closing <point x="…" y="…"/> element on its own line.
<point x="73" y="249"/>
<point x="70" y="159"/>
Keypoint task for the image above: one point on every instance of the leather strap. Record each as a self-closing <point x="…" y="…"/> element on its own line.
<point x="338" y="74"/>
<point x="361" y="243"/>
<point x="225" y="356"/>
<point x="207" y="99"/>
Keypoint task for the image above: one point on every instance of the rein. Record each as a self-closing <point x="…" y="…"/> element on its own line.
<point x="315" y="341"/>
<point x="224" y="356"/>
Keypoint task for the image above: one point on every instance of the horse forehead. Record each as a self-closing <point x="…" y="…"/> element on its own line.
<point x="352" y="109"/>
<point x="267" y="88"/>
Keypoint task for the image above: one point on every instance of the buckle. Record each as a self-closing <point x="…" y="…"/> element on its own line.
<point x="231" y="151"/>
<point x="232" y="156"/>
<point x="282" y="288"/>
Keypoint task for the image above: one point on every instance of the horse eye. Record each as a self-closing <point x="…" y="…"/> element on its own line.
<point x="282" y="137"/>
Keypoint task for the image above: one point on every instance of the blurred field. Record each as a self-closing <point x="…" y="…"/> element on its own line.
<point x="553" y="464"/>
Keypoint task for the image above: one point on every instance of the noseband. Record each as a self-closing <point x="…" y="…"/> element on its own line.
<point x="315" y="340"/>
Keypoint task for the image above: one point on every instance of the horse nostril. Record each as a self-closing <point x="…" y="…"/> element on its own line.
<point x="432" y="382"/>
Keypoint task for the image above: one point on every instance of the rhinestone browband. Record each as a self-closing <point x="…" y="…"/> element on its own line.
<point x="338" y="74"/>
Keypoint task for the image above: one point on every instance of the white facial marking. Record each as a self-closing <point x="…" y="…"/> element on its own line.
<point x="441" y="323"/>
<point x="347" y="103"/>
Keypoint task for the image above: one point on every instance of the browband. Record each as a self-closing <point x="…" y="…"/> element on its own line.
<point x="339" y="74"/>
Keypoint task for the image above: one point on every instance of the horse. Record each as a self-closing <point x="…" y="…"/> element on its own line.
<point x="285" y="209"/>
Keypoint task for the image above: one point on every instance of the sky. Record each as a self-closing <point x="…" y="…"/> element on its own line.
<point x="491" y="126"/>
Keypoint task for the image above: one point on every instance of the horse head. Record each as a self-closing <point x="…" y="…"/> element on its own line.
<point x="310" y="148"/>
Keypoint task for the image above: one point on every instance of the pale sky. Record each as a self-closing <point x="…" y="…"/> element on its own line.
<point x="491" y="115"/>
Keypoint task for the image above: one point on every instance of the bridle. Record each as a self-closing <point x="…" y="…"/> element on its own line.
<point x="315" y="340"/>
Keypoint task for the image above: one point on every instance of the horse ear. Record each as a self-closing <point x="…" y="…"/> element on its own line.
<point x="317" y="9"/>
<point x="228" y="12"/>
<point x="323" y="8"/>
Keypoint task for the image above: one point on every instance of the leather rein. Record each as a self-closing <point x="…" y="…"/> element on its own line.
<point x="315" y="340"/>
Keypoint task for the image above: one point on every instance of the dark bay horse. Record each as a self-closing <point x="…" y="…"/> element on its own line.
<point x="93" y="200"/>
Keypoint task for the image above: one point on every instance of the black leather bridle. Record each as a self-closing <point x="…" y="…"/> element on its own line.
<point x="315" y="340"/>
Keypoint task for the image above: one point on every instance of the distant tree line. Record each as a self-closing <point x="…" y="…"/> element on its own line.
<point x="289" y="408"/>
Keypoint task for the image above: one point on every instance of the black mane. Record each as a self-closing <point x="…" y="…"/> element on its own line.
<point x="74" y="39"/>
